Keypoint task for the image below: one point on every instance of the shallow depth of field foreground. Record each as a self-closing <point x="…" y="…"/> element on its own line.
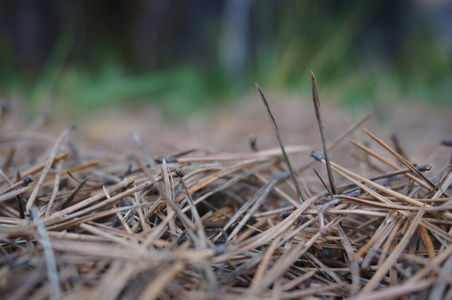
<point x="92" y="213"/>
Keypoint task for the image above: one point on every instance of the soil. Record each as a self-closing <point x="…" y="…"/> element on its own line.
<point x="419" y="127"/>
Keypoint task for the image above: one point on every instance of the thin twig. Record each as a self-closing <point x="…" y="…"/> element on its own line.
<point x="52" y="272"/>
<point x="281" y="144"/>
<point x="316" y="101"/>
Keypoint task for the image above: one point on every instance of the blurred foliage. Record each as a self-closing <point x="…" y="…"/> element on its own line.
<point x="305" y="39"/>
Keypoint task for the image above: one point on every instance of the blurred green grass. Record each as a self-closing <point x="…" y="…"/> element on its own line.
<point x="306" y="40"/>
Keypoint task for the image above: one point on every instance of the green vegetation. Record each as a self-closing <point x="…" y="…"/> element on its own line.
<point x="305" y="39"/>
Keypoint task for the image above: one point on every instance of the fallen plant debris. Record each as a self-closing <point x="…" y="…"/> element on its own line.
<point x="197" y="225"/>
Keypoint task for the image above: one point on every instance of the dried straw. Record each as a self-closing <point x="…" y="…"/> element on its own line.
<point x="222" y="225"/>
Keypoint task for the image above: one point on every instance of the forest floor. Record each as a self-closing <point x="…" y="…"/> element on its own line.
<point x="108" y="221"/>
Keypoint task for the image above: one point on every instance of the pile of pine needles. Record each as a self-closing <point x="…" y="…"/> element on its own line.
<point x="89" y="225"/>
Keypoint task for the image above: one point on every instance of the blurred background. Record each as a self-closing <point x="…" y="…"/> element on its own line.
<point x="187" y="56"/>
